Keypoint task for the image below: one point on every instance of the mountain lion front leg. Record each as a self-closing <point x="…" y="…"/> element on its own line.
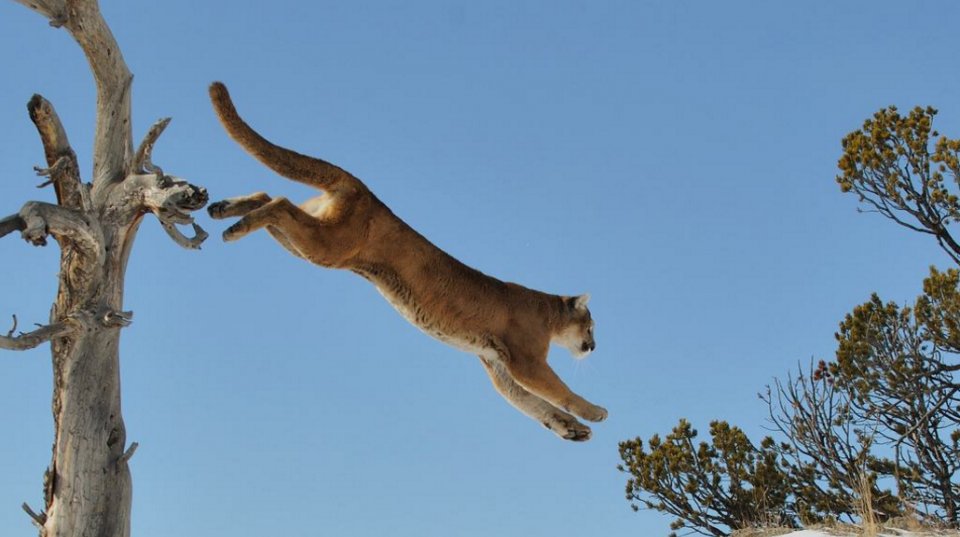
<point x="562" y="424"/>
<point x="534" y="374"/>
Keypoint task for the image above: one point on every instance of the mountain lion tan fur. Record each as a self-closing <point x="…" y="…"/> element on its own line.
<point x="510" y="327"/>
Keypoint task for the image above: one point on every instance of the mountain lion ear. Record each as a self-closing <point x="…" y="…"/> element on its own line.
<point x="579" y="302"/>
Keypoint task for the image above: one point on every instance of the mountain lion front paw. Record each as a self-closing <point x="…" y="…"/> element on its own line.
<point x="595" y="413"/>
<point x="580" y="434"/>
<point x="567" y="427"/>
<point x="587" y="411"/>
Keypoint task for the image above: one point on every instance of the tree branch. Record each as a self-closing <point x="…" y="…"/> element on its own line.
<point x="38" y="519"/>
<point x="923" y="419"/>
<point x="10" y="224"/>
<point x="172" y="200"/>
<point x="30" y="340"/>
<point x="63" y="170"/>
<point x="115" y="319"/>
<point x="128" y="453"/>
<point x="113" y="140"/>
<point x="199" y="235"/>
<point x="55" y="10"/>
<point x="67" y="226"/>
<point x="142" y="162"/>
<point x="167" y="197"/>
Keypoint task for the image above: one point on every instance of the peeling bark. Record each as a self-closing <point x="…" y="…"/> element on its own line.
<point x="87" y="488"/>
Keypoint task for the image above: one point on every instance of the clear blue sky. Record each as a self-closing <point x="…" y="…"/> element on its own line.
<point x="674" y="159"/>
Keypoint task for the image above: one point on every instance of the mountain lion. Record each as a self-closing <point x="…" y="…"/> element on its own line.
<point x="509" y="326"/>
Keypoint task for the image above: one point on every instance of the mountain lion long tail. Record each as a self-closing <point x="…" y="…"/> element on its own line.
<point x="290" y="164"/>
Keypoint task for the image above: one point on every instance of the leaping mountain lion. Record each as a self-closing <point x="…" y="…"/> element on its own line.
<point x="510" y="327"/>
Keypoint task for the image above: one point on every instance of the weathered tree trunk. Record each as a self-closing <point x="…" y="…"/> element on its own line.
<point x="87" y="486"/>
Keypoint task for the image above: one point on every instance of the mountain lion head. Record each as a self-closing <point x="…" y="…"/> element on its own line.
<point x="577" y="335"/>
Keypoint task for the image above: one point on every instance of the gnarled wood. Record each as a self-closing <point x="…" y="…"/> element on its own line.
<point x="87" y="488"/>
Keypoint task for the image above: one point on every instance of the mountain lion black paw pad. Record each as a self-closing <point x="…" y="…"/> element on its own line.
<point x="578" y="435"/>
<point x="217" y="210"/>
<point x="235" y="231"/>
<point x="569" y="429"/>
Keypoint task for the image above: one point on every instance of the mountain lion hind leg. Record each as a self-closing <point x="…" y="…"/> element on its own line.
<point x="278" y="212"/>
<point x="562" y="424"/>
<point x="242" y="205"/>
<point x="238" y="206"/>
<point x="315" y="239"/>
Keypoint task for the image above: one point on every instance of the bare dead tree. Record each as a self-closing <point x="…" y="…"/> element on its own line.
<point x="87" y="487"/>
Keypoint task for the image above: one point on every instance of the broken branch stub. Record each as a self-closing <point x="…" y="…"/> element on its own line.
<point x="62" y="168"/>
<point x="142" y="162"/>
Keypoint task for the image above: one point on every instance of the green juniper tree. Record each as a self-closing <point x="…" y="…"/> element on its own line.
<point x="710" y="487"/>
<point x="886" y="410"/>
<point x="903" y="169"/>
<point x="899" y="364"/>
